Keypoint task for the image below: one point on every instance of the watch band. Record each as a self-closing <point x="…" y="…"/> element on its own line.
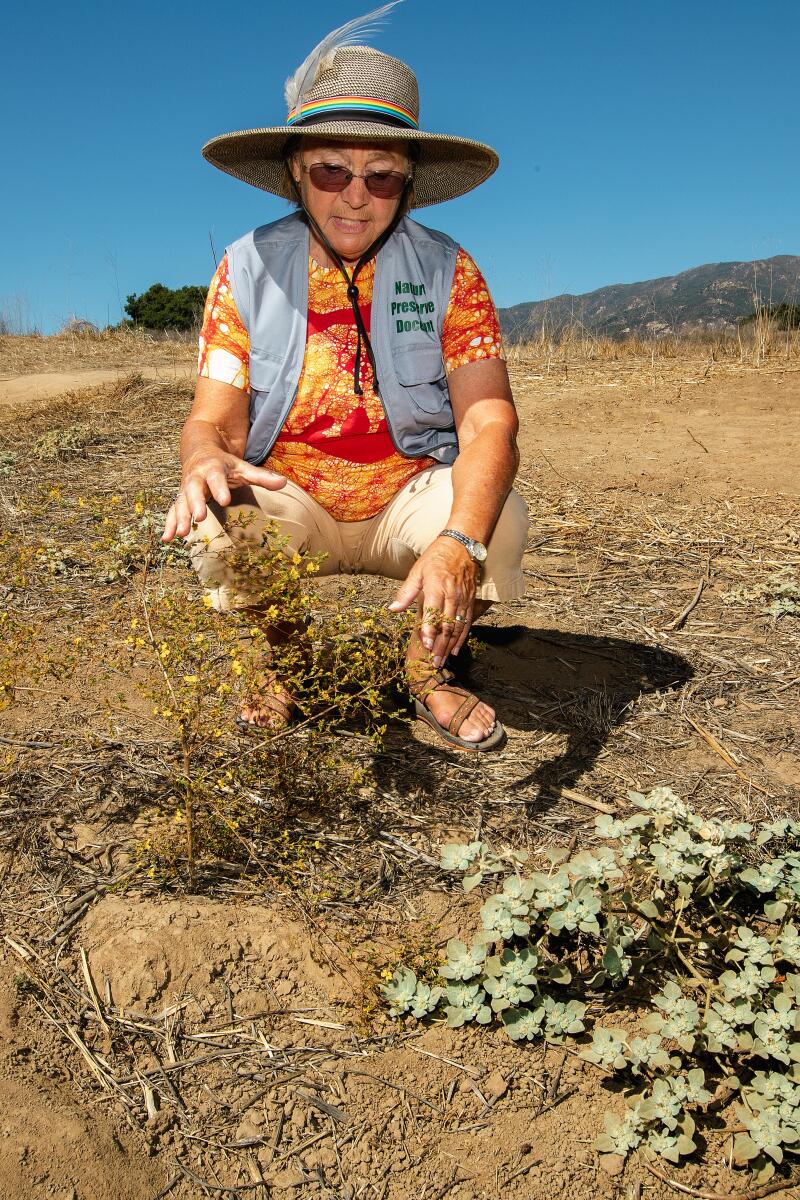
<point x="476" y="550"/>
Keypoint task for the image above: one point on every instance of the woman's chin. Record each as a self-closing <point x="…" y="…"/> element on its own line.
<point x="350" y="243"/>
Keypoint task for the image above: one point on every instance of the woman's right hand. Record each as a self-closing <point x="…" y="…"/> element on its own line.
<point x="210" y="475"/>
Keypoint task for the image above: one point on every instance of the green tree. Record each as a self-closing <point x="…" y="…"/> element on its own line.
<point x="167" y="308"/>
<point x="782" y="316"/>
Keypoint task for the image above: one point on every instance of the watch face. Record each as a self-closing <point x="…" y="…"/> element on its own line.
<point x="479" y="552"/>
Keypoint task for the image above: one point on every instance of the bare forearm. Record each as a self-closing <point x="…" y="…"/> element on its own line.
<point x="482" y="477"/>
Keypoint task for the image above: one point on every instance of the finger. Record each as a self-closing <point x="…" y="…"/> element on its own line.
<point x="183" y="516"/>
<point x="444" y="637"/>
<point x="464" y="628"/>
<point x="406" y="594"/>
<point x="455" y="636"/>
<point x="216" y="482"/>
<point x="170" y="525"/>
<point x="261" y="476"/>
<point x="432" y="611"/>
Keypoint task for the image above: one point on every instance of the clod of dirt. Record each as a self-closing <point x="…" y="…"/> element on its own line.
<point x="156" y="952"/>
<point x="612" y="1164"/>
<point x="494" y="1086"/>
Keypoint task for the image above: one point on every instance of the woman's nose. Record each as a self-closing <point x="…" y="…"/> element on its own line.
<point x="356" y="193"/>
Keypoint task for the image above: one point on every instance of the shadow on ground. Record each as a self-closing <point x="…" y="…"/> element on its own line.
<point x="544" y="681"/>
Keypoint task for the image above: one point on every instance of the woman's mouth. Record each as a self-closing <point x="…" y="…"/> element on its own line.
<point x="348" y="224"/>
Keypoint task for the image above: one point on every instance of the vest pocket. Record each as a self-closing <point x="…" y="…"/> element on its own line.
<point x="264" y="369"/>
<point x="420" y="369"/>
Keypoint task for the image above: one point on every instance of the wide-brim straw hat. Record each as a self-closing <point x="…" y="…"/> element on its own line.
<point x="354" y="94"/>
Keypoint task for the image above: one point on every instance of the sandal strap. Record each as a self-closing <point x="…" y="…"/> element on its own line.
<point x="422" y="688"/>
<point x="463" y="711"/>
<point x="441" y="681"/>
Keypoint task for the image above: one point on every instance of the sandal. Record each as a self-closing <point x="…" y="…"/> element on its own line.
<point x="441" y="681"/>
<point x="269" y="700"/>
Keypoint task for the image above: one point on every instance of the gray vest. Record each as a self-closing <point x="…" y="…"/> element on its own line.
<point x="268" y="271"/>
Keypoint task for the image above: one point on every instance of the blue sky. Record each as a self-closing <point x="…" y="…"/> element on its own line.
<point x="636" y="139"/>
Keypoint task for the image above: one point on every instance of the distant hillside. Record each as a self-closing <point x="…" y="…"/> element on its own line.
<point x="715" y="296"/>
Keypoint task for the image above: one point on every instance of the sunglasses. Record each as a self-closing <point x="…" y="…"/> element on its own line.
<point x="330" y="177"/>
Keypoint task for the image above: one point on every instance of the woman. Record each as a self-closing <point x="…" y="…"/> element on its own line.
<point x="352" y="388"/>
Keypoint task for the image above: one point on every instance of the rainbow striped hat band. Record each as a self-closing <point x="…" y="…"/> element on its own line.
<point x="355" y="94"/>
<point x="353" y="106"/>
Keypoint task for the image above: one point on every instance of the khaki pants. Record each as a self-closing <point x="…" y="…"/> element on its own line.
<point x="387" y="544"/>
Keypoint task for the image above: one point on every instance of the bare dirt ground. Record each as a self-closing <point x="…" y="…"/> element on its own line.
<point x="226" y="1041"/>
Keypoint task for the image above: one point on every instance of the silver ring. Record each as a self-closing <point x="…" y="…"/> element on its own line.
<point x="461" y="620"/>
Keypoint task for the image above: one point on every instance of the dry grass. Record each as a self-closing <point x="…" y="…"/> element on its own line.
<point x="761" y="343"/>
<point x="24" y="354"/>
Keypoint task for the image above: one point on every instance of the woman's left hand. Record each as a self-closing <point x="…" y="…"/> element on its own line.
<point x="442" y="582"/>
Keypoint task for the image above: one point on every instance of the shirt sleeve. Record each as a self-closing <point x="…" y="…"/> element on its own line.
<point x="471" y="328"/>
<point x="224" y="342"/>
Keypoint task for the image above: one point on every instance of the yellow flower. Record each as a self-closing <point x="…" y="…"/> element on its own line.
<point x="138" y="508"/>
<point x="190" y="679"/>
<point x="81" y="502"/>
<point x="237" y="667"/>
<point x="297" y="558"/>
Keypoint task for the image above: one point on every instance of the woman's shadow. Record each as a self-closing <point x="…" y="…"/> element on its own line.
<point x="544" y="681"/>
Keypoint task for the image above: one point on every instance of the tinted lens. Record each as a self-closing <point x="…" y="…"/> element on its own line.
<point x="385" y="184"/>
<point x="329" y="178"/>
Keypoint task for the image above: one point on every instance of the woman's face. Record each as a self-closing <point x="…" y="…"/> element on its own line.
<point x="353" y="218"/>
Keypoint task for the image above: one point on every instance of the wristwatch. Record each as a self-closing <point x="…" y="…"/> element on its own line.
<point x="476" y="550"/>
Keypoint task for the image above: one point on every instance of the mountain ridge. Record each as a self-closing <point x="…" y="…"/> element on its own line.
<point x="714" y="296"/>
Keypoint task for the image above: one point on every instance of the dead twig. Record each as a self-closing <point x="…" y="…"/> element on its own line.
<point x="585" y="801"/>
<point x="747" y="1194"/>
<point x="451" y="1062"/>
<point x="680" y="620"/>
<point x="697" y="441"/>
<point x="399" y="1087"/>
<point x="167" y="1188"/>
<point x="719" y="749"/>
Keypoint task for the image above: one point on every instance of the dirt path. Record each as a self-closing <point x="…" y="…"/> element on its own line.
<point x="19" y="389"/>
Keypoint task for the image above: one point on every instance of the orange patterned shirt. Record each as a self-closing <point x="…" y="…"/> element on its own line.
<point x="334" y="444"/>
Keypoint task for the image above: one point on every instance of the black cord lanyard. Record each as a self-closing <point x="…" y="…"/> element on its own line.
<point x="352" y="294"/>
